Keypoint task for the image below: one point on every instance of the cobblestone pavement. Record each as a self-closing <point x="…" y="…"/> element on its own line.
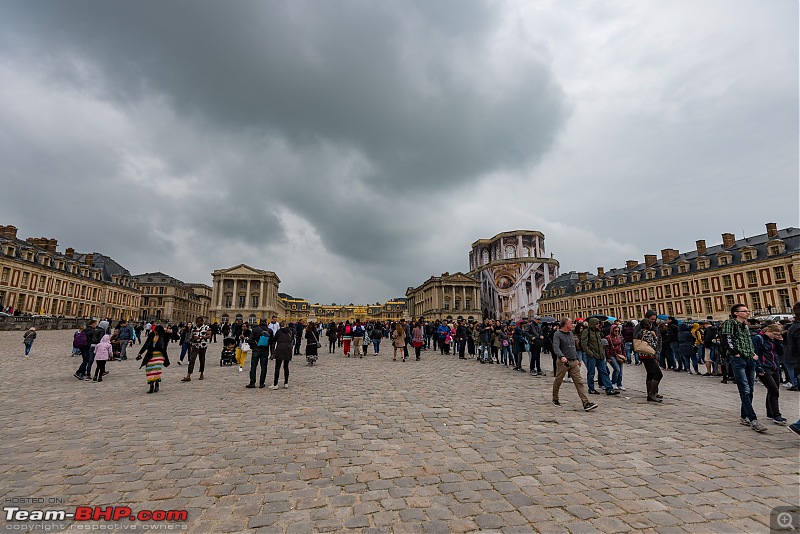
<point x="373" y="445"/>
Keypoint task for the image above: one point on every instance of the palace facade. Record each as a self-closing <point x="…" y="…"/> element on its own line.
<point x="165" y="298"/>
<point x="244" y="292"/>
<point x="761" y="271"/>
<point x="513" y="271"/>
<point x="36" y="279"/>
<point x="445" y="297"/>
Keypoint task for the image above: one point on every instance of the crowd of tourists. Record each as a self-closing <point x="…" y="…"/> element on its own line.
<point x="738" y="350"/>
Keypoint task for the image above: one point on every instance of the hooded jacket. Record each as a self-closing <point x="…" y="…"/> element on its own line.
<point x="103" y="350"/>
<point x="591" y="341"/>
<point x="769" y="352"/>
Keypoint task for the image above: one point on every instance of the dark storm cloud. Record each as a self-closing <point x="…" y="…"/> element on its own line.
<point x="412" y="85"/>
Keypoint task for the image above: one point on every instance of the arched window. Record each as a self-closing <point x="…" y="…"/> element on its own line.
<point x="526" y="252"/>
<point x="238" y="316"/>
<point x="225" y="318"/>
<point x="485" y="257"/>
<point x="511" y="251"/>
<point x="252" y="319"/>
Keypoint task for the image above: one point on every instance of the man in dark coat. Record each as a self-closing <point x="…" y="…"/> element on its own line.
<point x="260" y="351"/>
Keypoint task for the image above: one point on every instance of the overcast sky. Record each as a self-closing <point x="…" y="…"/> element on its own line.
<point x="357" y="148"/>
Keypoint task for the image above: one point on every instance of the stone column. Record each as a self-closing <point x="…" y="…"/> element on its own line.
<point x="261" y="294"/>
<point x="519" y="246"/>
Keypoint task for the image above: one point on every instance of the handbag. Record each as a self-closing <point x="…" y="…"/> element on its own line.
<point x="642" y="347"/>
<point x="317" y="341"/>
<point x="245" y="346"/>
<point x="621" y="358"/>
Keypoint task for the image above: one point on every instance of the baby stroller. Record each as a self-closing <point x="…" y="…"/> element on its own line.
<point x="228" y="354"/>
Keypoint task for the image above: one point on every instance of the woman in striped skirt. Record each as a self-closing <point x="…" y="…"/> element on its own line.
<point x="155" y="349"/>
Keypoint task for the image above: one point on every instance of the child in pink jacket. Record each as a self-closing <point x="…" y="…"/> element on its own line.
<point x="102" y="353"/>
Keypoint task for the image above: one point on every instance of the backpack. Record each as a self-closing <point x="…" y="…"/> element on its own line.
<point x="359" y="331"/>
<point x="80" y="341"/>
<point x="263" y="339"/>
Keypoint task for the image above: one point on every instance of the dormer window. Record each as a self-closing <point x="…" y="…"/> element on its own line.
<point x="609" y="282"/>
<point x="725" y="259"/>
<point x="636" y="277"/>
<point x="650" y="275"/>
<point x="666" y="271"/>
<point x="775" y="248"/>
<point x="621" y="280"/>
<point x="748" y="254"/>
<point x="683" y="268"/>
<point x="702" y="264"/>
<point x="578" y="288"/>
<point x="10" y="250"/>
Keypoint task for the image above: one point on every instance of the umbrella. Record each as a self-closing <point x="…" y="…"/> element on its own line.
<point x="598" y="316"/>
<point x="548" y="319"/>
<point x="611" y="319"/>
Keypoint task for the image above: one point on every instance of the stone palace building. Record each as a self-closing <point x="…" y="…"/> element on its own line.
<point x="761" y="271"/>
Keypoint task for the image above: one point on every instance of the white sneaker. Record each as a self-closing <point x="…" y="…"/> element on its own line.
<point x="286" y="386"/>
<point x="615" y="387"/>
<point x="568" y="379"/>
<point x="273" y="387"/>
<point x="621" y="388"/>
<point x="240" y="369"/>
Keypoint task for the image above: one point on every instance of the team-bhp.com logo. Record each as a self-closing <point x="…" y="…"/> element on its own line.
<point x="94" y="513"/>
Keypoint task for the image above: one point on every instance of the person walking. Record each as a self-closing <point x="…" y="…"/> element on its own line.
<point x="358" y="338"/>
<point x="535" y="336"/>
<point x="201" y="333"/>
<point x="333" y="336"/>
<point x="282" y="353"/>
<point x="739" y="346"/>
<point x="418" y="339"/>
<point x="615" y="356"/>
<point x="592" y="344"/>
<point x="568" y="363"/>
<point x="398" y="341"/>
<point x="87" y="352"/>
<point x="28" y="339"/>
<point x="259" y="342"/>
<point x="155" y="359"/>
<point x="646" y="345"/>
<point x="377" y="334"/>
<point x="103" y="352"/>
<point x="768" y="346"/>
<point x="185" y="341"/>
<point x="312" y="343"/>
<point x="125" y="337"/>
<point x="347" y="338"/>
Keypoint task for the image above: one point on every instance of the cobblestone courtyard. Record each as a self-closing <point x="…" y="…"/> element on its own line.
<point x="373" y="445"/>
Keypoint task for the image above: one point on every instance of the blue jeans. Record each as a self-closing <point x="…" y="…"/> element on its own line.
<point x="744" y="371"/>
<point x="793" y="378"/>
<point x="427" y="339"/>
<point x="676" y="355"/>
<point x="88" y="359"/>
<point x="507" y="356"/>
<point x="582" y="357"/>
<point x="616" y="376"/>
<point x="184" y="350"/>
<point x="376" y="344"/>
<point x="28" y="345"/>
<point x="628" y="350"/>
<point x="602" y="379"/>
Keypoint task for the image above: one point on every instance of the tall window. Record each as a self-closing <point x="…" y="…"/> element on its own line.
<point x="727" y="281"/>
<point x="704" y="284"/>
<point x="729" y="300"/>
<point x="783" y="298"/>
<point x="707" y="305"/>
<point x="242" y="301"/>
<point x="685" y="288"/>
<point x="255" y="301"/>
<point x="780" y="272"/>
<point x="755" y="298"/>
<point x="511" y="251"/>
<point x="687" y="307"/>
<point x="751" y="277"/>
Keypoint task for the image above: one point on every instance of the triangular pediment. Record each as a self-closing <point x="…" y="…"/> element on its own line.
<point x="459" y="277"/>
<point x="242" y="269"/>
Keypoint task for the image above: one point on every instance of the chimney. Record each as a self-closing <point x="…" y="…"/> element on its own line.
<point x="772" y="230"/>
<point x="51" y="245"/>
<point x="582" y="277"/>
<point x="631" y="264"/>
<point x="701" y="247"/>
<point x="650" y="259"/>
<point x="8" y="231"/>
<point x="69" y="253"/>
<point x="600" y="272"/>
<point x="668" y="255"/>
<point x="728" y="240"/>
